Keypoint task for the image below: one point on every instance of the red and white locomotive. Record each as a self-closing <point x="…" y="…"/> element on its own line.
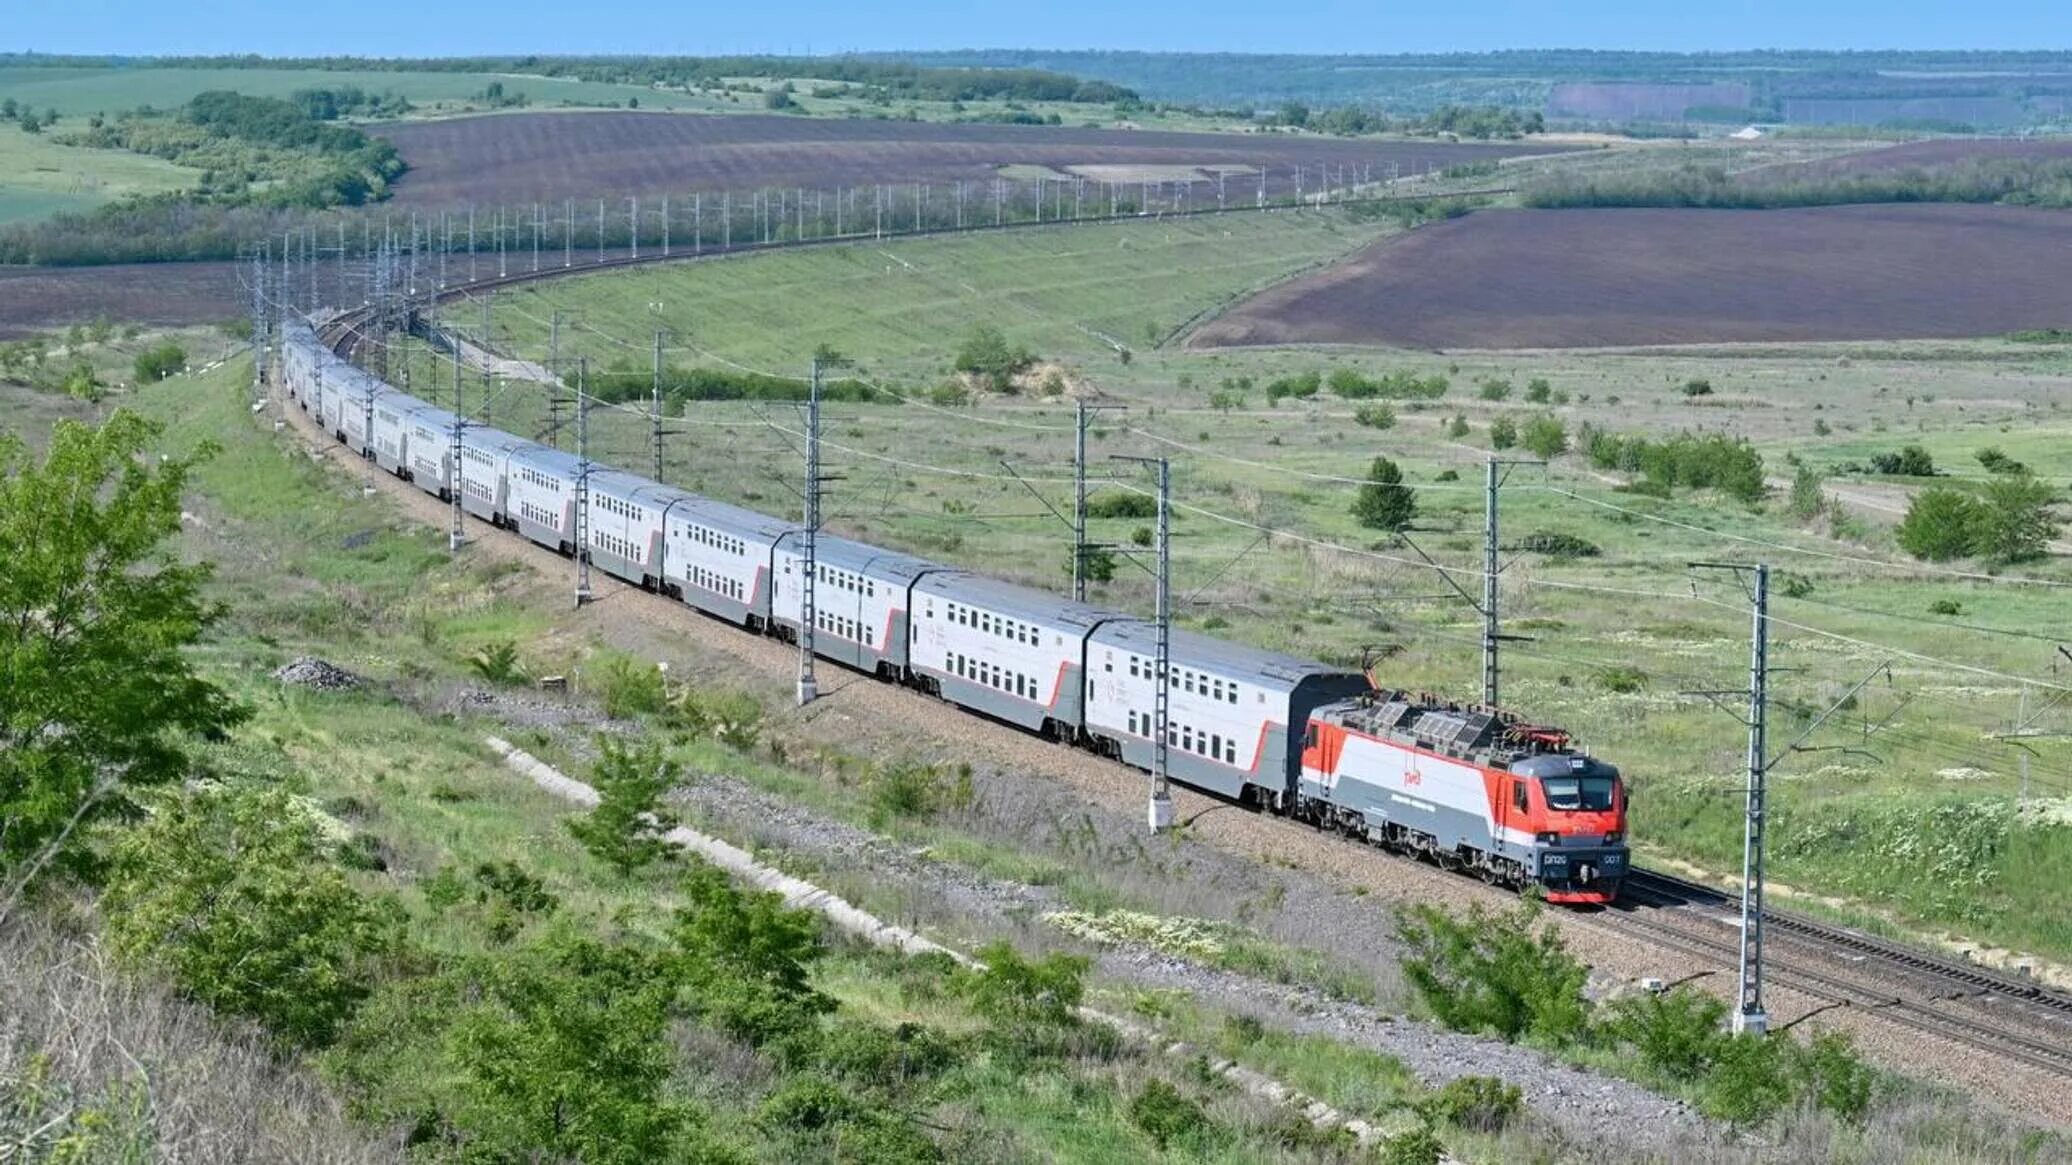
<point x="1471" y="788"/>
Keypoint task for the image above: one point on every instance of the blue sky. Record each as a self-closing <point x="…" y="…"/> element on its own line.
<point x="451" y="27"/>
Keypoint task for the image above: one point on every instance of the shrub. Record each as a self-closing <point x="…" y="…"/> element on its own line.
<point x="1300" y="387"/>
<point x="948" y="395"/>
<point x="1457" y="427"/>
<point x="497" y="663"/>
<point x="1946" y="607"/>
<point x="1679" y="1033"/>
<point x="1483" y="1104"/>
<point x="1223" y="400"/>
<point x="1834" y="1077"/>
<point x="1122" y="504"/>
<point x="231" y="893"/>
<point x="1940" y="524"/>
<point x="1995" y="461"/>
<point x="1098" y="562"/>
<point x="1447" y="475"/>
<point x="1493" y="973"/>
<point x="1163" y="1113"/>
<point x="1503" y="433"/>
<point x="625" y="829"/>
<point x="1348" y="383"/>
<point x="156" y="363"/>
<point x="912" y="790"/>
<point x="1793" y="585"/>
<point x="1713" y="461"/>
<point x="1419" y="1146"/>
<point x="1545" y="436"/>
<point x="1910" y="461"/>
<point x="1538" y="391"/>
<point x="1018" y="991"/>
<point x="1697" y="386"/>
<point x="1808" y="499"/>
<point x="1375" y="416"/>
<point x="629" y="687"/>
<point x="1622" y="679"/>
<point x="1493" y="388"/>
<point x="1558" y="545"/>
<point x="745" y="959"/>
<point x="987" y="354"/>
<point x="1143" y="536"/>
<point x="1750" y="1079"/>
<point x="2016" y="523"/>
<point x="1385" y="503"/>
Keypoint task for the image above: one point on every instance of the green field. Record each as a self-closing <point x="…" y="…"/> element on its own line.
<point x="39" y="177"/>
<point x="1918" y="818"/>
<point x="109" y="91"/>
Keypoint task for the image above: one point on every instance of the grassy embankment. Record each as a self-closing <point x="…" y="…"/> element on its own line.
<point x="1917" y="822"/>
<point x="309" y="565"/>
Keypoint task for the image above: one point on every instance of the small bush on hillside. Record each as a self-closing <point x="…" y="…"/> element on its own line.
<point x="1385" y="503"/>
<point x="1697" y="386"/>
<point x="987" y="354"/>
<point x="1122" y="504"/>
<point x="1099" y="563"/>
<point x="1375" y="416"/>
<point x="1679" y="1033"/>
<point x="1017" y="991"/>
<point x="1493" y="388"/>
<point x="1940" y="524"/>
<point x="1538" y="391"/>
<point x="1946" y="607"/>
<point x="912" y="790"/>
<point x="1622" y="679"/>
<point x="1164" y="1114"/>
<point x="1483" y="1104"/>
<point x="1494" y="973"/>
<point x="1457" y="427"/>
<point x="1910" y="461"/>
<point x="1558" y="545"/>
<point x="1996" y="461"/>
<point x="1545" y="436"/>
<point x="1808" y="499"/>
<point x="1419" y="1146"/>
<point x="628" y="687"/>
<point x="1834" y="1078"/>
<point x="1750" y="1079"/>
<point x="158" y="362"/>
<point x="233" y="894"/>
<point x="1503" y="433"/>
<point x="1301" y="387"/>
<point x="497" y="663"/>
<point x="2017" y="524"/>
<point x="746" y="959"/>
<point x="625" y="830"/>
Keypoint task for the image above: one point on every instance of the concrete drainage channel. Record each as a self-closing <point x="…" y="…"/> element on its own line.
<point x="804" y="895"/>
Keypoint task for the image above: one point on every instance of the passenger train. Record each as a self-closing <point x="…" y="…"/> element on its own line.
<point x="1469" y="788"/>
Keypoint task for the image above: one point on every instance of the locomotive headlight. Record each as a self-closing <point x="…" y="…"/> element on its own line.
<point x="1613" y="837"/>
<point x="1548" y="838"/>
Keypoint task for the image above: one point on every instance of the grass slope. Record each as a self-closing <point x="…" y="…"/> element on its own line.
<point x="39" y="177"/>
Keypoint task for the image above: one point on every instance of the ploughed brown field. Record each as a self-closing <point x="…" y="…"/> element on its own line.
<point x="1619" y="277"/>
<point x="1931" y="155"/>
<point x="514" y="158"/>
<point x="34" y="299"/>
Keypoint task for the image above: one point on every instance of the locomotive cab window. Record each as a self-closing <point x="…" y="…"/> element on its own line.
<point x="1518" y="796"/>
<point x="1578" y="794"/>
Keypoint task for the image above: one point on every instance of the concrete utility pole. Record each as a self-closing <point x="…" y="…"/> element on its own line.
<point x="1083" y="415"/>
<point x="582" y="481"/>
<point x="259" y="337"/>
<point x="655" y="411"/>
<point x="1749" y="1015"/>
<point x="1492" y="630"/>
<point x="808" y="688"/>
<point x="1161" y="804"/>
<point x="457" y="474"/>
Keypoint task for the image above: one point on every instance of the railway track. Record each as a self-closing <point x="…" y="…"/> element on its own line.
<point x="2034" y="1028"/>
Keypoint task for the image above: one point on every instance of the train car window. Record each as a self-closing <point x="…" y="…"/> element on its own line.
<point x="1518" y="795"/>
<point x="1215" y="745"/>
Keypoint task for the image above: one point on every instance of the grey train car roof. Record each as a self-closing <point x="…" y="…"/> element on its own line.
<point x="749" y="525"/>
<point x="1266" y="668"/>
<point x="633" y="487"/>
<point x="431" y="415"/>
<point x="484" y="437"/>
<point x="1019" y="601"/>
<point x="842" y="553"/>
<point x="560" y="464"/>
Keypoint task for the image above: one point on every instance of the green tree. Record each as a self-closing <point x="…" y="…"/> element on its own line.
<point x="987" y="354"/>
<point x="156" y="363"/>
<point x="1018" y="991"/>
<point x="1940" y="524"/>
<point x="234" y="895"/>
<point x="1100" y="564"/>
<point x="556" y="1051"/>
<point x="1503" y="433"/>
<point x="626" y="829"/>
<point x="1808" y="499"/>
<point x="746" y="959"/>
<point x="2015" y="524"/>
<point x="96" y="697"/>
<point x="1494" y="973"/>
<point x="1385" y="503"/>
<point x="1545" y="436"/>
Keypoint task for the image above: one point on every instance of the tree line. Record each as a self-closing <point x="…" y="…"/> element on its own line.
<point x="2014" y="181"/>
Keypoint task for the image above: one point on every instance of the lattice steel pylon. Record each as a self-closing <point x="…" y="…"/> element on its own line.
<point x="582" y="502"/>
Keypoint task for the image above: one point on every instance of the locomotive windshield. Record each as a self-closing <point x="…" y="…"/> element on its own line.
<point x="1578" y="794"/>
